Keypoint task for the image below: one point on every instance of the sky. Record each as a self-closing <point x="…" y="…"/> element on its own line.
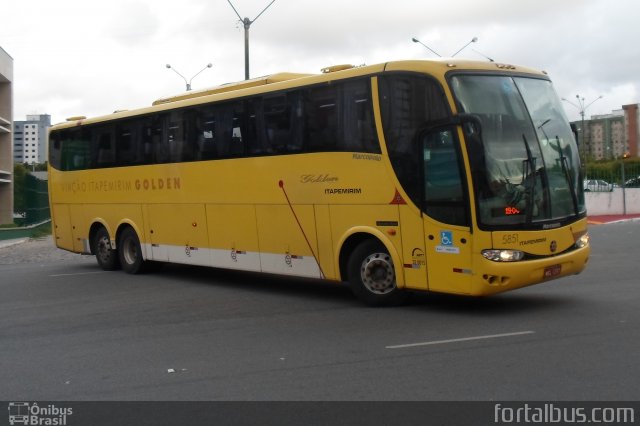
<point x="90" y="58"/>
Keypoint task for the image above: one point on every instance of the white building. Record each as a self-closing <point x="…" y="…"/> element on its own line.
<point x="6" y="156"/>
<point x="30" y="139"/>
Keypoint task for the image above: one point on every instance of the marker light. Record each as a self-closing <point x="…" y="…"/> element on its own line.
<point x="583" y="241"/>
<point x="503" y="255"/>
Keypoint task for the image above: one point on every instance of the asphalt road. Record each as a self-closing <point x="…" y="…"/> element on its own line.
<point x="69" y="331"/>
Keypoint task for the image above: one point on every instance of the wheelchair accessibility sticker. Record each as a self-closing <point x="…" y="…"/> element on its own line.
<point x="446" y="243"/>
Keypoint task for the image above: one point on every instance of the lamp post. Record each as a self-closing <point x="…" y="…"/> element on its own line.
<point x="473" y="40"/>
<point x="246" y="22"/>
<point x="415" y="40"/>
<point x="188" y="83"/>
<point x="582" y="108"/>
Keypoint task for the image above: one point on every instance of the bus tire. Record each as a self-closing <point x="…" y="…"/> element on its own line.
<point x="130" y="251"/>
<point x="372" y="276"/>
<point x="106" y="256"/>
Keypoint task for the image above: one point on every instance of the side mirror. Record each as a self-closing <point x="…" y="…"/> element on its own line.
<point x="574" y="129"/>
<point x="471" y="123"/>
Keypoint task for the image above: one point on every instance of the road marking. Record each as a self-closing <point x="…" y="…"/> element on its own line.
<point x="463" y="339"/>
<point x="79" y="273"/>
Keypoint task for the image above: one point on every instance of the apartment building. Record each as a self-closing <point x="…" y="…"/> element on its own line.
<point x="611" y="136"/>
<point x="6" y="143"/>
<point x="30" y="139"/>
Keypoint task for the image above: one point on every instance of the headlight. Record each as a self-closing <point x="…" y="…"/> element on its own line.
<point x="503" y="255"/>
<point x="583" y="241"/>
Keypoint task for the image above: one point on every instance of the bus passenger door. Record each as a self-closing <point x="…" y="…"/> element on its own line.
<point x="413" y="248"/>
<point x="447" y="216"/>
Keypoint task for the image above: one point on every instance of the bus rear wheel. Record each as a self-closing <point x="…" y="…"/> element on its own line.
<point x="372" y="276"/>
<point x="130" y="251"/>
<point x="106" y="256"/>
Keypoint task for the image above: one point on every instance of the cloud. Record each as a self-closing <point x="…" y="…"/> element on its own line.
<point x="133" y="25"/>
<point x="96" y="57"/>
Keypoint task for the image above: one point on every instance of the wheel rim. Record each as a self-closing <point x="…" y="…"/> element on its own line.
<point x="104" y="249"/>
<point x="129" y="251"/>
<point x="378" y="274"/>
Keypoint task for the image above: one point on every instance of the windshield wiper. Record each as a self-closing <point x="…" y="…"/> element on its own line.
<point x="564" y="165"/>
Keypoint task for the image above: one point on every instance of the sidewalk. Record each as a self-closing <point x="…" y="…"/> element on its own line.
<point x="599" y="220"/>
<point x="9" y="243"/>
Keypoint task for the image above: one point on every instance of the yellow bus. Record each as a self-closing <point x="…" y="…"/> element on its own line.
<point x="448" y="176"/>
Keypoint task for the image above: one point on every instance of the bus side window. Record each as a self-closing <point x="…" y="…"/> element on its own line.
<point x="252" y="120"/>
<point x="106" y="152"/>
<point x="190" y="135"/>
<point x="160" y="143"/>
<point x="296" y="139"/>
<point x="322" y="107"/>
<point x="409" y="103"/>
<point x="55" y="150"/>
<point x="235" y="145"/>
<point x="70" y="150"/>
<point x="207" y="139"/>
<point x="205" y="128"/>
<point x="176" y="136"/>
<point x="444" y="195"/>
<point x="277" y="123"/>
<point x="359" y="126"/>
<point x="129" y="143"/>
<point x="238" y="130"/>
<point x="229" y="130"/>
<point x="146" y="141"/>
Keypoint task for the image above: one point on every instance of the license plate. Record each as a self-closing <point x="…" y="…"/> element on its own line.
<point x="552" y="271"/>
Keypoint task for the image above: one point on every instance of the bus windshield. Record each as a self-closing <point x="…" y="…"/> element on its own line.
<point x="525" y="163"/>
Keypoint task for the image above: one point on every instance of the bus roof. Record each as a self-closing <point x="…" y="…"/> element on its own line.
<point x="229" y="87"/>
<point x="286" y="80"/>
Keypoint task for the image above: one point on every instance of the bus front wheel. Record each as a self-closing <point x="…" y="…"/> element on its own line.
<point x="130" y="251"/>
<point x="372" y="276"/>
<point x="106" y="256"/>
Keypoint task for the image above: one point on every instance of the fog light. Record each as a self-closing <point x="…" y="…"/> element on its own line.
<point x="583" y="241"/>
<point x="503" y="255"/>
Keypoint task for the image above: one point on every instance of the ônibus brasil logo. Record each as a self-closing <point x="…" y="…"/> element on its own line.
<point x="26" y="413"/>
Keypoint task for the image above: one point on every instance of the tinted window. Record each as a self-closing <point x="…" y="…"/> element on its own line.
<point x="410" y="104"/>
<point x="129" y="144"/>
<point x="337" y="116"/>
<point x="104" y="142"/>
<point x="443" y="189"/>
<point x="205" y="133"/>
<point x="70" y="149"/>
<point x="322" y="109"/>
<point x="359" y="125"/>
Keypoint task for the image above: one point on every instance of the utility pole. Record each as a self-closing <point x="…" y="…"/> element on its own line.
<point x="246" y="22"/>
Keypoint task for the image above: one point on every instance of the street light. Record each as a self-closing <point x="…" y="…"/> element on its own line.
<point x="582" y="108"/>
<point x="247" y="24"/>
<point x="188" y="83"/>
<point x="473" y="40"/>
<point x="415" y="40"/>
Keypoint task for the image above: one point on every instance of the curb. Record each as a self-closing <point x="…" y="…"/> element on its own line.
<point x="9" y="243"/>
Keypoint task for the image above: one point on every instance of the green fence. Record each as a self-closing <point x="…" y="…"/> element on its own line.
<point x="615" y="174"/>
<point x="35" y="208"/>
<point x="32" y="218"/>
